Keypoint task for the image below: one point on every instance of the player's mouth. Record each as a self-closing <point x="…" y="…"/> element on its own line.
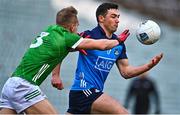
<point x="116" y="26"/>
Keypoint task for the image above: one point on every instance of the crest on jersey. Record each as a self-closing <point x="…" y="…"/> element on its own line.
<point x="116" y="52"/>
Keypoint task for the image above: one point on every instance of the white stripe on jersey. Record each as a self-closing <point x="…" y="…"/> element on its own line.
<point x="40" y="72"/>
<point x="77" y="43"/>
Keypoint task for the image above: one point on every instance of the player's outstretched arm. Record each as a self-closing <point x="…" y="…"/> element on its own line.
<point x="128" y="71"/>
<point x="56" y="80"/>
<point x="103" y="44"/>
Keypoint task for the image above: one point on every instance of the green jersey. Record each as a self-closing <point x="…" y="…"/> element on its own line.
<point x="45" y="52"/>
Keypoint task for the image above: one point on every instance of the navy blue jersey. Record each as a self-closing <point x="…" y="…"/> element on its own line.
<point x="93" y="69"/>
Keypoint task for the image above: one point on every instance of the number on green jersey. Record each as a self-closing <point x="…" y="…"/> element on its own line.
<point x="39" y="40"/>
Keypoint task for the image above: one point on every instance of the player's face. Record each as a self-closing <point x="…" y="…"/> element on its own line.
<point x="111" y="20"/>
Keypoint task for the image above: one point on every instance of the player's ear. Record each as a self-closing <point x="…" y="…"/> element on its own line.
<point x="101" y="18"/>
<point x="71" y="28"/>
<point x="74" y="28"/>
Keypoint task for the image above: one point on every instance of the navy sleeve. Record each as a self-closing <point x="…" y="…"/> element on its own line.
<point x="123" y="53"/>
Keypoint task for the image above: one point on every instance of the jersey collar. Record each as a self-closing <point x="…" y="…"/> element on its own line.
<point x="100" y="33"/>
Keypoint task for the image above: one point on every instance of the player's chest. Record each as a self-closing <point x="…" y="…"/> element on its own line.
<point x="113" y="53"/>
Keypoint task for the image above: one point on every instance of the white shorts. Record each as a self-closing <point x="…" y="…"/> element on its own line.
<point x="19" y="94"/>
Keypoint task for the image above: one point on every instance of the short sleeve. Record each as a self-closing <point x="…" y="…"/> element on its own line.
<point x="123" y="53"/>
<point x="72" y="40"/>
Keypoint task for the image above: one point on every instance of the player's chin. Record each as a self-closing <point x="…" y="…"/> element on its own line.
<point x="114" y="30"/>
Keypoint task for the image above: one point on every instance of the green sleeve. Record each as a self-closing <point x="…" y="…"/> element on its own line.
<point x="72" y="40"/>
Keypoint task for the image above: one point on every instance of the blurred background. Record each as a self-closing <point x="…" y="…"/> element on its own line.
<point x="23" y="20"/>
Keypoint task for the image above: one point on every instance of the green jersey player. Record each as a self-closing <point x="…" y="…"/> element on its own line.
<point x="45" y="52"/>
<point x="21" y="92"/>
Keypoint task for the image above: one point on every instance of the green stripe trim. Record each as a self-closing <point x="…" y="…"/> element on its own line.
<point x="30" y="94"/>
<point x="35" y="95"/>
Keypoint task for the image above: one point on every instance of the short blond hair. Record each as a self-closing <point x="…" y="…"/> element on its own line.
<point x="67" y="16"/>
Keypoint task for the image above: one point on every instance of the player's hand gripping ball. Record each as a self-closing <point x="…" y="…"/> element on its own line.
<point x="148" y="32"/>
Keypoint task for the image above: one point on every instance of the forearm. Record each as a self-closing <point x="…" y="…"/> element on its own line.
<point x="101" y="44"/>
<point x="107" y="44"/>
<point x="56" y="80"/>
<point x="132" y="71"/>
<point x="128" y="71"/>
<point x="56" y="72"/>
<point x="135" y="71"/>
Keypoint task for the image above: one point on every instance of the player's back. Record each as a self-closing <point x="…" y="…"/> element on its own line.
<point x="44" y="53"/>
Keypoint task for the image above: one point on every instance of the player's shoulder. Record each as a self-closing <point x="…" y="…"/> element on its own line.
<point x="52" y="27"/>
<point x="85" y="33"/>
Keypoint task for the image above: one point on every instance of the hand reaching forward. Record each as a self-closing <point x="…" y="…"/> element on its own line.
<point x="123" y="36"/>
<point x="155" y="60"/>
<point x="57" y="83"/>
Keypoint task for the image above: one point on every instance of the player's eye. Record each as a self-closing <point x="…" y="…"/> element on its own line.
<point x="114" y="16"/>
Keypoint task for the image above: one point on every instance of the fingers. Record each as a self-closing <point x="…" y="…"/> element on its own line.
<point x="157" y="58"/>
<point x="54" y="85"/>
<point x="127" y="34"/>
<point x="58" y="85"/>
<point x="161" y="55"/>
<point x="126" y="31"/>
<point x="123" y="36"/>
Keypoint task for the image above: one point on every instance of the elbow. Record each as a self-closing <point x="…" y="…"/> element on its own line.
<point x="126" y="75"/>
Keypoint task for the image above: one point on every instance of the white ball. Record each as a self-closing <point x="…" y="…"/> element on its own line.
<point x="148" y="32"/>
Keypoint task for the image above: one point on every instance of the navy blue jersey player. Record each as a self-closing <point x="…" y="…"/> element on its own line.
<point x="93" y="68"/>
<point x="86" y="95"/>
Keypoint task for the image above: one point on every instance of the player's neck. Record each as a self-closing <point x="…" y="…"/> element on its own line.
<point x="108" y="33"/>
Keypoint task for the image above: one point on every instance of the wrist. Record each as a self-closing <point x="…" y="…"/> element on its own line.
<point x="119" y="41"/>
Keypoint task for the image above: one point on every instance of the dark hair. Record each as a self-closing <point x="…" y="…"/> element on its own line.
<point x="66" y="16"/>
<point x="103" y="8"/>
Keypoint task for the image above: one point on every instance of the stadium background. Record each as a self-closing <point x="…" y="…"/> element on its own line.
<point x="22" y="20"/>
